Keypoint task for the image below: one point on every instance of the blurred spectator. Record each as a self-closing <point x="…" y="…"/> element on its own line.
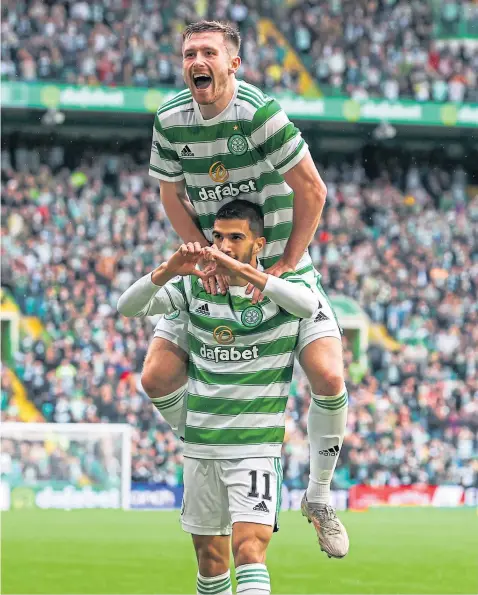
<point x="399" y="238"/>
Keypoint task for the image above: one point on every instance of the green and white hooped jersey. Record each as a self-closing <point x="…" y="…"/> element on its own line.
<point x="244" y="150"/>
<point x="241" y="359"/>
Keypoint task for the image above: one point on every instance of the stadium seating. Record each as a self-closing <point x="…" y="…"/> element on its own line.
<point x="363" y="49"/>
<point x="374" y="49"/>
<point x="400" y="241"/>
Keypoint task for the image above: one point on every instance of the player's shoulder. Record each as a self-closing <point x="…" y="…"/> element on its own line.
<point x="260" y="106"/>
<point x="252" y="99"/>
<point x="172" y="109"/>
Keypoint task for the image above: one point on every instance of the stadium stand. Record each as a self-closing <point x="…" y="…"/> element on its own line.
<point x="387" y="49"/>
<point x="391" y="48"/>
<point x="397" y="235"/>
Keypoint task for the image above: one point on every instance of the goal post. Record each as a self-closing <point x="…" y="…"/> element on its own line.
<point x="65" y="466"/>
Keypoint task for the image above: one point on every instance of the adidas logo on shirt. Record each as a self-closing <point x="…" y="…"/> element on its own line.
<point x="186" y="152"/>
<point x="203" y="310"/>
<point x="261" y="507"/>
<point x="330" y="452"/>
<point x="321" y="317"/>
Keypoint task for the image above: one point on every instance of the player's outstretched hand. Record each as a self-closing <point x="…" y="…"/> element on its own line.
<point x="278" y="269"/>
<point x="185" y="260"/>
<point x="220" y="263"/>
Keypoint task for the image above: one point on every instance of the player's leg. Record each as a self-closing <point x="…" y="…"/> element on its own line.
<point x="213" y="552"/>
<point x="205" y="515"/>
<point x="164" y="376"/>
<point x="249" y="545"/>
<point x="320" y="355"/>
<point x="254" y="490"/>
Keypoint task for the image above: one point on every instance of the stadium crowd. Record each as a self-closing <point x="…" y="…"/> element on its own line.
<point x="364" y="49"/>
<point x="386" y="48"/>
<point x="402" y="240"/>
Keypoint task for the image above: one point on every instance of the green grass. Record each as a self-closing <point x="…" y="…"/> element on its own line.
<point x="392" y="551"/>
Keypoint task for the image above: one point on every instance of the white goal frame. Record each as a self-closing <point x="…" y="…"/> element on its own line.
<point x="34" y="431"/>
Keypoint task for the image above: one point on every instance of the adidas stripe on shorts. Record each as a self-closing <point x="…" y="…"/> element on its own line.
<point x="219" y="493"/>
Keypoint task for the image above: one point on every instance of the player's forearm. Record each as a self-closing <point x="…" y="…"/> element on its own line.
<point x="308" y="207"/>
<point x="162" y="274"/>
<point x="182" y="216"/>
<point x="144" y="297"/>
<point x="250" y="274"/>
<point x="309" y="199"/>
<point x="294" y="298"/>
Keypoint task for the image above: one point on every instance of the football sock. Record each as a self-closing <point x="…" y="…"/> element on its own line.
<point x="326" y="428"/>
<point x="253" y="579"/>
<point x="214" y="585"/>
<point x="171" y="408"/>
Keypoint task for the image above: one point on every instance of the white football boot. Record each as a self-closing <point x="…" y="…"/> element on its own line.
<point x="333" y="538"/>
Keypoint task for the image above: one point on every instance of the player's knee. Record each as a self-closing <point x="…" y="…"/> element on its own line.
<point x="329" y="383"/>
<point x="164" y="370"/>
<point x="251" y="550"/>
<point x="211" y="560"/>
<point x="157" y="383"/>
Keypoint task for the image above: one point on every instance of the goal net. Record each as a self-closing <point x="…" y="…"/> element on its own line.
<point x="65" y="465"/>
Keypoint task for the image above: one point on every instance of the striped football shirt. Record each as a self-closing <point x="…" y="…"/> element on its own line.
<point x="240" y="368"/>
<point x="244" y="150"/>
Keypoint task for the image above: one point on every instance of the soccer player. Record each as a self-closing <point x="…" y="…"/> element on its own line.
<point x="218" y="138"/>
<point x="240" y="368"/>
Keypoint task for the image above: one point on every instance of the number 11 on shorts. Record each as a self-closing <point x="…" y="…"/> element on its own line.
<point x="267" y="486"/>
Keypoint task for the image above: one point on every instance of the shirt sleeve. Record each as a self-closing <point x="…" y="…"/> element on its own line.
<point x="144" y="298"/>
<point x="276" y="137"/>
<point x="164" y="162"/>
<point x="297" y="297"/>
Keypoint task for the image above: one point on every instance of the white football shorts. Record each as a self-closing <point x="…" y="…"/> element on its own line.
<point x="219" y="493"/>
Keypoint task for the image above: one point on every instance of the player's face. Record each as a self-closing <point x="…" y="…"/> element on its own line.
<point x="207" y="65"/>
<point x="235" y="238"/>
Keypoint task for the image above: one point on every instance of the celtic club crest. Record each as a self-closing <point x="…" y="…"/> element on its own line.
<point x="252" y="316"/>
<point x="237" y="144"/>
<point x="172" y="315"/>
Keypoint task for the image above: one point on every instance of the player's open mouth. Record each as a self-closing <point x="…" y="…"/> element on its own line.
<point x="202" y="81"/>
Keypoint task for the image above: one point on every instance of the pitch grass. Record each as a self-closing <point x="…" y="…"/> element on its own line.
<point x="102" y="551"/>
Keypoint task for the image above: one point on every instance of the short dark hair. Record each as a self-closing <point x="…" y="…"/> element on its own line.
<point x="243" y="209"/>
<point x="229" y="31"/>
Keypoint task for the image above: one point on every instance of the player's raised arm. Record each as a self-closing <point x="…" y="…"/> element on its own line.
<point x="276" y="137"/>
<point x="154" y="294"/>
<point x="180" y="212"/>
<point x="164" y="164"/>
<point x="309" y="199"/>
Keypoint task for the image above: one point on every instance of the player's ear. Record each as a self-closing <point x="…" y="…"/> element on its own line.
<point x="259" y="244"/>
<point x="234" y="64"/>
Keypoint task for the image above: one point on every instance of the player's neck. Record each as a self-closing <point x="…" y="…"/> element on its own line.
<point x="214" y="109"/>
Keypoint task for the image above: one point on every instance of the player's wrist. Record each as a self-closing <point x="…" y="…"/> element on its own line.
<point x="257" y="278"/>
<point x="289" y="261"/>
<point x="162" y="274"/>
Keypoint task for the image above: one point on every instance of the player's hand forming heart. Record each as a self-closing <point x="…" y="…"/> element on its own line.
<point x="213" y="277"/>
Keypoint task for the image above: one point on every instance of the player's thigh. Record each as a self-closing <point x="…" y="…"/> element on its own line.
<point x="319" y="349"/>
<point x="322" y="362"/>
<point x="212" y="553"/>
<point x="254" y="488"/>
<point x="205" y="509"/>
<point x="165" y="364"/>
